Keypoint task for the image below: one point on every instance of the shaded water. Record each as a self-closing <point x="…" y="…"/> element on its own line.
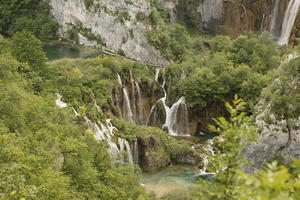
<point x="174" y="178"/>
<point x="59" y="51"/>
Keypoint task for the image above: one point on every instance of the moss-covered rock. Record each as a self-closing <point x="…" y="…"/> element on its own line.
<point x="157" y="149"/>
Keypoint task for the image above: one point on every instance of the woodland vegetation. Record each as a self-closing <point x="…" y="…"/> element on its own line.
<point x="49" y="153"/>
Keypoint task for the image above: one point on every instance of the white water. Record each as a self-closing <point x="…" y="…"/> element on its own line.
<point x="152" y="113"/>
<point x="176" y="121"/>
<point x="288" y="21"/>
<point x="75" y="112"/>
<point x="157" y="70"/>
<point x="175" y="127"/>
<point x="59" y="103"/>
<point x="98" y="107"/>
<point x="274" y="20"/>
<point x="172" y="121"/>
<point x="140" y="113"/>
<point x="127" y="111"/>
<point x="119" y="79"/>
<point x="209" y="150"/>
<point x="106" y="133"/>
<point x="127" y="107"/>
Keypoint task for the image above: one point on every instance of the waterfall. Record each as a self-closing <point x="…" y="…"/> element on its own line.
<point x="128" y="150"/>
<point x="105" y="133"/>
<point x="152" y="115"/>
<point x="119" y="79"/>
<point x="209" y="150"/>
<point x="176" y="122"/>
<point x="135" y="152"/>
<point x="75" y="112"/>
<point x="276" y="23"/>
<point x="139" y="105"/>
<point x="133" y="101"/>
<point x="127" y="107"/>
<point x="126" y="111"/>
<point x="98" y="107"/>
<point x="157" y="70"/>
<point x="59" y="103"/>
<point x="288" y="21"/>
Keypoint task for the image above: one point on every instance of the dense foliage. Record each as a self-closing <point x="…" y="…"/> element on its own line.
<point x="46" y="152"/>
<point x="243" y="66"/>
<point x="31" y="15"/>
<point x="229" y="182"/>
<point x="49" y="153"/>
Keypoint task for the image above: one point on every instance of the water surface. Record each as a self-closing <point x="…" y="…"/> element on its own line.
<point x="60" y="51"/>
<point x="173" y="179"/>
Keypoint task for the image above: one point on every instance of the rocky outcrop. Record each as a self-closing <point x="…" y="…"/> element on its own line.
<point x="156" y="150"/>
<point x="118" y="26"/>
<point x="109" y="24"/>
<point x="275" y="142"/>
<point x="278" y="120"/>
<point x="152" y="154"/>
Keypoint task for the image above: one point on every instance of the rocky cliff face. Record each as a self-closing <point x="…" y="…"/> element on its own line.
<point x="116" y="26"/>
<point x="111" y="24"/>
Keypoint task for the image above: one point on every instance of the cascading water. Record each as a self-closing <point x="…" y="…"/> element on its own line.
<point x="152" y="116"/>
<point x="59" y="103"/>
<point x="209" y="150"/>
<point x="75" y="112"/>
<point x="126" y="110"/>
<point x="276" y="20"/>
<point x="157" y="70"/>
<point x="105" y="133"/>
<point x="176" y="122"/>
<point x="139" y="105"/>
<point x="288" y="21"/>
<point x="283" y="19"/>
<point x="127" y="107"/>
<point x="176" y="116"/>
<point x="133" y="98"/>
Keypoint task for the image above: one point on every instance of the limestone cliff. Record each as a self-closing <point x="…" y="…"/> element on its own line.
<point x="119" y="26"/>
<point x="109" y="24"/>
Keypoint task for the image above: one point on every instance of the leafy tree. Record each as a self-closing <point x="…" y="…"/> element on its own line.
<point x="235" y="133"/>
<point x="46" y="152"/>
<point x="27" y="49"/>
<point x="284" y="94"/>
<point x="229" y="182"/>
<point x="257" y="52"/>
<point x="220" y="44"/>
<point x="274" y="182"/>
<point x="200" y="88"/>
<point x="30" y="15"/>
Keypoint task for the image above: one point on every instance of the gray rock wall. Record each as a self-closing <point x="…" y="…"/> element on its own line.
<point x="273" y="141"/>
<point x="105" y="21"/>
